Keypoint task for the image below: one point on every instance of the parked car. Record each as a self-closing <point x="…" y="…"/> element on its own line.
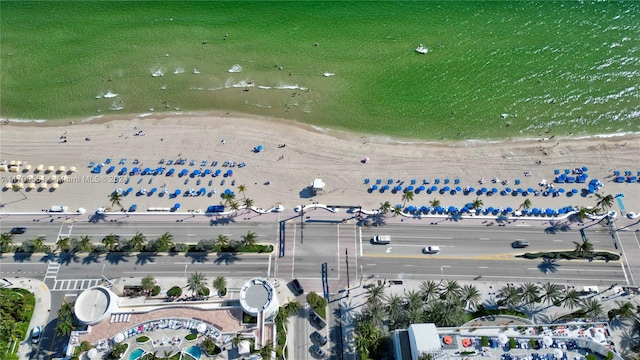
<point x="18" y="230"/>
<point x="36" y="333"/>
<point x="317" y="352"/>
<point x="520" y="243"/>
<point x="318" y="338"/>
<point x="316" y="320"/>
<point x="431" y="250"/>
<point x="296" y="287"/>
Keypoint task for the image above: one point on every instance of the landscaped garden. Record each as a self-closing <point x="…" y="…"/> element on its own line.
<point x="16" y="309"/>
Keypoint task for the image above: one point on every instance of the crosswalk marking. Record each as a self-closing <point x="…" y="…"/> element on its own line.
<point x="52" y="270"/>
<point x="75" y="284"/>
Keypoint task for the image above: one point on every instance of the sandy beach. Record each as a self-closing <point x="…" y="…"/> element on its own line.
<point x="281" y="175"/>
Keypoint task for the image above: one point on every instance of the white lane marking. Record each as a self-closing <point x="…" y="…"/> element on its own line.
<point x="485" y="239"/>
<point x="269" y="268"/>
<point x="410" y="265"/>
<point x="192" y="234"/>
<point x="624" y="272"/>
<point x="360" y="242"/>
<point x="557" y="240"/>
<point x="370" y="264"/>
<point x="483" y="267"/>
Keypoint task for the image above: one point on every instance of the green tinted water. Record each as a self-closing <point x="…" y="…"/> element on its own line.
<point x="494" y="69"/>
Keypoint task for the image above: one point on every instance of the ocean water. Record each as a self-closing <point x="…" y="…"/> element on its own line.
<point x="495" y="69"/>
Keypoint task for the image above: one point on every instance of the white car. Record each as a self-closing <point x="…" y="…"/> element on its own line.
<point x="431" y="250"/>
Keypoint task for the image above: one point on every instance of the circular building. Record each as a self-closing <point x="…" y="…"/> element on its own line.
<point x="258" y="295"/>
<point x="95" y="305"/>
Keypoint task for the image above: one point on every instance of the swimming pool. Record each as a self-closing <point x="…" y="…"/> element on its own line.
<point x="195" y="352"/>
<point x="136" y="354"/>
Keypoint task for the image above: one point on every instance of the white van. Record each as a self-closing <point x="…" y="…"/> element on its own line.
<point x="381" y="239"/>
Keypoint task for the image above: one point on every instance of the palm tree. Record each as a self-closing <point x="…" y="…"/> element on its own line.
<point x="413" y="300"/>
<point x="551" y="293"/>
<point x="292" y="307"/>
<point x="526" y="204"/>
<point x="584" y="247"/>
<point x="6" y="242"/>
<point x="476" y="204"/>
<point x="249" y="239"/>
<point x="242" y="189"/>
<point x="397" y="211"/>
<point x="220" y="284"/>
<point x="605" y="202"/>
<point x="571" y="299"/>
<point x="375" y="312"/>
<point x="64" y="244"/>
<point x="148" y="283"/>
<point x="248" y="203"/>
<point x="429" y="290"/>
<point x="385" y="207"/>
<point x="110" y="241"/>
<point x="196" y="283"/>
<point x="407" y="197"/>
<point x="234" y="206"/>
<point x="38" y="244"/>
<point x="451" y="291"/>
<point x="64" y="326"/>
<point x="510" y="296"/>
<point x="394" y="309"/>
<point x="266" y="350"/>
<point x="434" y="203"/>
<point x="85" y="243"/>
<point x="165" y="242"/>
<point x="583" y="213"/>
<point x="374" y="294"/>
<point x="137" y="241"/>
<point x="116" y="199"/>
<point x="624" y="310"/>
<point x="470" y="295"/>
<point x="222" y="241"/>
<point x="592" y="308"/>
<point x="228" y="197"/>
<point x="530" y="293"/>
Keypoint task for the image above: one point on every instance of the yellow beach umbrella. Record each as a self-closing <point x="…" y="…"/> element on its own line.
<point x="62" y="169"/>
<point x="20" y="185"/>
<point x="31" y="186"/>
<point x="54" y="186"/>
<point x="40" y="178"/>
<point x="14" y="168"/>
<point x="40" y="168"/>
<point x="43" y="185"/>
<point x="27" y="167"/>
<point x="52" y="178"/>
<point x="3" y="167"/>
<point x="12" y="162"/>
<point x="72" y="169"/>
<point x="8" y="186"/>
<point x="50" y="168"/>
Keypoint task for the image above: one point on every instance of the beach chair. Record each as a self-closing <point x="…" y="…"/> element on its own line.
<point x="107" y="161"/>
<point x="169" y="162"/>
<point x="91" y="164"/>
<point x="122" y="161"/>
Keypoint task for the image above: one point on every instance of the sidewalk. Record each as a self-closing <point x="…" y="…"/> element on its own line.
<point x="40" y="311"/>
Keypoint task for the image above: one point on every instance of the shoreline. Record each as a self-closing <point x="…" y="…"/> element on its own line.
<point x="342" y="134"/>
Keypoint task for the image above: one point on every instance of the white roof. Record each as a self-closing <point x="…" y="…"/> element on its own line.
<point x="318" y="184"/>
<point x="423" y="338"/>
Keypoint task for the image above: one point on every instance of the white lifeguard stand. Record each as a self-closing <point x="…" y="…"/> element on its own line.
<point x="317" y="186"/>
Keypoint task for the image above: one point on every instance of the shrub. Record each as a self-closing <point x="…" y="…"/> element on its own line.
<point x="223" y="292"/>
<point x="210" y="347"/>
<point x="532" y="343"/>
<point x="155" y="291"/>
<point x="118" y="350"/>
<point x="142" y="339"/>
<point x="190" y="337"/>
<point x="485" y="341"/>
<point x="512" y="343"/>
<point x="318" y="303"/>
<point x="610" y="355"/>
<point x="174" y="291"/>
<point x="180" y="247"/>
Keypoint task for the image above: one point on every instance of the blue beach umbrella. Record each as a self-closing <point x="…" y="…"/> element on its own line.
<point x="458" y="188"/>
<point x="509" y="209"/>
<point x="584" y="168"/>
<point x="494" y="190"/>
<point x="446" y="181"/>
<point x="421" y="188"/>
<point x="574" y="191"/>
<point x="389" y="181"/>
<point x="399" y="206"/>
<point x="446" y="188"/>
<point x="549" y="211"/>
<point x="434" y="188"/>
<point x="385" y="187"/>
<point x="503" y="193"/>
<point x="535" y="211"/>
<point x="410" y="188"/>
<point x="508" y="190"/>
<point x="176" y="206"/>
<point x="520" y="190"/>
<point x="561" y="190"/>
<point x="484" y="189"/>
<point x="398" y="188"/>
<point x="471" y="189"/>
<point x="413" y="181"/>
<point x="530" y="190"/>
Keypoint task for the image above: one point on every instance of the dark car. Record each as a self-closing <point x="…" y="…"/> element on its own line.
<point x="296" y="287"/>
<point x="318" y="338"/>
<point x="317" y="352"/>
<point x="520" y="243"/>
<point x="317" y="320"/>
<point x="18" y="230"/>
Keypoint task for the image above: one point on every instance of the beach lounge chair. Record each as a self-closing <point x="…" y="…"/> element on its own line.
<point x="107" y="161"/>
<point x="122" y="161"/>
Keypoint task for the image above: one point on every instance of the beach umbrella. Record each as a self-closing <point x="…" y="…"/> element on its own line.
<point x="458" y="188"/>
<point x="549" y="211"/>
<point x="410" y="188"/>
<point x="32" y="186"/>
<point x="178" y="192"/>
<point x="374" y="187"/>
<point x="413" y="181"/>
<point x="503" y="339"/>
<point x="520" y="190"/>
<point x="43" y="185"/>
<point x="73" y="169"/>
<point x="507" y="190"/>
<point x="399" y="206"/>
<point x="434" y="188"/>
<point x="561" y="190"/>
<point x="424" y="208"/>
<point x="421" y="188"/>
<point x="530" y="190"/>
<point x="118" y="338"/>
<point x="92" y="353"/>
<point x="398" y="188"/>
<point x="50" y="168"/>
<point x="535" y="211"/>
<point x="386" y="187"/>
<point x="439" y="208"/>
<point x="259" y="148"/>
<point x="547" y="340"/>
<point x="40" y="167"/>
<point x="61" y="180"/>
<point x="509" y="209"/>
<point x="53" y="178"/>
<point x="8" y="186"/>
<point x="389" y="181"/>
<point x="446" y="188"/>
<point x="27" y="167"/>
<point x="378" y="181"/>
<point x="584" y="168"/>
<point x="62" y="169"/>
<point x="12" y="162"/>
<point x="471" y="189"/>
<point x="494" y="190"/>
<point x="54" y="186"/>
<point x="574" y="191"/>
<point x="452" y="209"/>
<point x="176" y="206"/>
<point x="503" y="193"/>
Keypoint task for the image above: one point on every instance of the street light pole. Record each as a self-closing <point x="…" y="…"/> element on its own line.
<point x="346" y="253"/>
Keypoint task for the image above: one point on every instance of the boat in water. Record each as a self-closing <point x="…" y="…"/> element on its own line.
<point x="422" y="50"/>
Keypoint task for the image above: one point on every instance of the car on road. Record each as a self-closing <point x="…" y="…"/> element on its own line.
<point x="381" y="239"/>
<point x="18" y="230"/>
<point x="520" y="243"/>
<point x="431" y="250"/>
<point x="316" y="320"/>
<point x="36" y="333"/>
<point x="317" y="352"/>
<point x="296" y="288"/>
<point x="318" y="338"/>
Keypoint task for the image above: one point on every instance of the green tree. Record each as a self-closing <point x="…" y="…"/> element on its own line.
<point x="234" y="206"/>
<point x="551" y="293"/>
<point x="530" y="293"/>
<point x="470" y="296"/>
<point x="220" y="284"/>
<point x="429" y="290"/>
<point x="434" y="203"/>
<point x="375" y="312"/>
<point x="65" y="326"/>
<point x="138" y="241"/>
<point x="395" y="310"/>
<point x="266" y="350"/>
<point x="385" y="207"/>
<point x="85" y="244"/>
<point x="624" y="310"/>
<point x="228" y="197"/>
<point x="222" y="241"/>
<point x="6" y="242"/>
<point x="374" y="294"/>
<point x="605" y="202"/>
<point x="451" y="291"/>
<point x="248" y="203"/>
<point x="407" y="197"/>
<point x="64" y="244"/>
<point x="397" y="211"/>
<point x="510" y="296"/>
<point x="196" y="283"/>
<point x="476" y="204"/>
<point x="242" y="189"/>
<point x="526" y="204"/>
<point x="164" y="243"/>
<point x="292" y="307"/>
<point x="571" y="299"/>
<point x="116" y="199"/>
<point x="110" y="241"/>
<point x="147" y="283"/>
<point x="413" y="300"/>
<point x="592" y="308"/>
<point x="249" y="240"/>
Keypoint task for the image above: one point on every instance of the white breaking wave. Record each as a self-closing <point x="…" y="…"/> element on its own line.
<point x="235" y="69"/>
<point x="116" y="105"/>
<point x="195" y="71"/>
<point x="178" y="71"/>
<point x="229" y="84"/>
<point x="110" y="95"/>
<point x="157" y="72"/>
<point x="327" y="74"/>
